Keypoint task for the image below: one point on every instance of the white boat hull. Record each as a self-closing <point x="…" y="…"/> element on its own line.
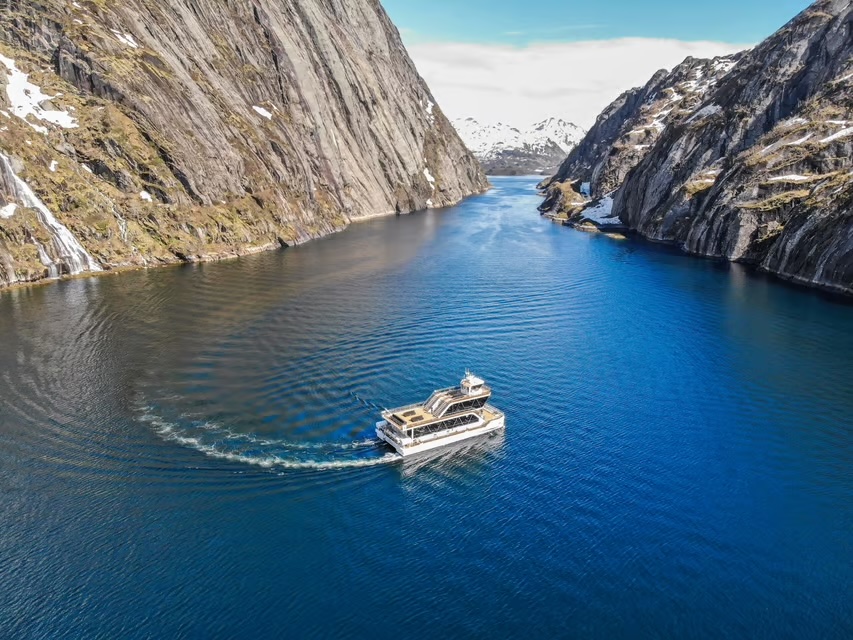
<point x="409" y="446"/>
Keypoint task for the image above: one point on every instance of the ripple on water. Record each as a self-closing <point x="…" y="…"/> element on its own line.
<point x="677" y="451"/>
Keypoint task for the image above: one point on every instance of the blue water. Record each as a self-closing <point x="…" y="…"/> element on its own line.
<point x="188" y="452"/>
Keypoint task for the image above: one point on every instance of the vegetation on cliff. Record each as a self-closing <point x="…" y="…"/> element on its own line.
<point x="193" y="131"/>
<point x="761" y="170"/>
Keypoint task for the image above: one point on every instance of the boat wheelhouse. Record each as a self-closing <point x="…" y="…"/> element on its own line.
<point x="448" y="416"/>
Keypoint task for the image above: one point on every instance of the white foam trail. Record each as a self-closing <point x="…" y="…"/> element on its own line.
<point x="169" y="432"/>
<point x="251" y="438"/>
<point x="268" y="462"/>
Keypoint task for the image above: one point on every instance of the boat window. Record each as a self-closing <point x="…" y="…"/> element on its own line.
<point x="449" y="423"/>
<point x="477" y="403"/>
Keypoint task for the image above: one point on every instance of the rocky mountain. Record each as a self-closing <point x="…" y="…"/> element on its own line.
<point x="625" y="131"/>
<point x="762" y="170"/>
<point x="137" y="133"/>
<point x="505" y="150"/>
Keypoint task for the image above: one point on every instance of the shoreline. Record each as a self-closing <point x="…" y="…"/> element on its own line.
<point x="834" y="292"/>
<point x="222" y="257"/>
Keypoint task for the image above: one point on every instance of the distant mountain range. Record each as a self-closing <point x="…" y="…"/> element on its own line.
<point x="505" y="150"/>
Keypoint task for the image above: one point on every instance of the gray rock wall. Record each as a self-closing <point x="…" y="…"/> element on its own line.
<point x="756" y="167"/>
<point x="760" y="172"/>
<point x="246" y="124"/>
<point x="627" y="129"/>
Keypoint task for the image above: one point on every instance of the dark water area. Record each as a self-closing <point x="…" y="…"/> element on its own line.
<point x="189" y="452"/>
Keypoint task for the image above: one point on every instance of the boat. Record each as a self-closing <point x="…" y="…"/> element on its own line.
<point x="449" y="415"/>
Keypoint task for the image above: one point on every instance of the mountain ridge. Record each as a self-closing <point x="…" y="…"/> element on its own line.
<point x="507" y="150"/>
<point x="625" y="131"/>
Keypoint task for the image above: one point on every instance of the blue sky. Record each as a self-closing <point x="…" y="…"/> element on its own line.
<point x="521" y="61"/>
<point x="523" y="21"/>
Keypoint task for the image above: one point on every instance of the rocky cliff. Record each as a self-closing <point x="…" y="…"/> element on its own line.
<point x="762" y="170"/>
<point x="136" y="132"/>
<point x="626" y="130"/>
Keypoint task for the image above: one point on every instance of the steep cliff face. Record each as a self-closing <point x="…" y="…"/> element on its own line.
<point x="191" y="129"/>
<point x="761" y="172"/>
<point x="626" y="130"/>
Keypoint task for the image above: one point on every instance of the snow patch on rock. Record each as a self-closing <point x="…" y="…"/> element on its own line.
<point x="792" y="122"/>
<point x="797" y="143"/>
<point x="125" y="39"/>
<point x="705" y="112"/>
<point x="26" y="99"/>
<point x="724" y="65"/>
<point x="262" y="112"/>
<point x="429" y="178"/>
<point x="602" y="212"/>
<point x="793" y="177"/>
<point x="841" y="134"/>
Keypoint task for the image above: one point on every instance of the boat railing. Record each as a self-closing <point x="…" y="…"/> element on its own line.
<point x="429" y="437"/>
<point x="435" y="396"/>
<point x="441" y="404"/>
<point x="447" y="401"/>
<point x="494" y="410"/>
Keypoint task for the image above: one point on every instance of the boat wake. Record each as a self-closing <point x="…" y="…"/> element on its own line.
<point x="216" y="441"/>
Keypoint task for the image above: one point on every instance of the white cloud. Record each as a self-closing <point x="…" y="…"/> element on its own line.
<point x="522" y="85"/>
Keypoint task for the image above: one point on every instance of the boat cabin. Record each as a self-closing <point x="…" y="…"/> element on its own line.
<point x="449" y="415"/>
<point x="445" y="409"/>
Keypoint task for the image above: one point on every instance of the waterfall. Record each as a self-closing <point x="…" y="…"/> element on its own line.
<point x="71" y="253"/>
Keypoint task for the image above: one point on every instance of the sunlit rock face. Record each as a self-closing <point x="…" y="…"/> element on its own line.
<point x="761" y="170"/>
<point x="186" y="130"/>
<point x="626" y="130"/>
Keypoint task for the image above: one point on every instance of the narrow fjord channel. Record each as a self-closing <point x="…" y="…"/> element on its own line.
<point x="185" y="448"/>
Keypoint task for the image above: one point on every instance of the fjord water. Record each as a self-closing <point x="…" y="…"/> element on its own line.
<point x="189" y="452"/>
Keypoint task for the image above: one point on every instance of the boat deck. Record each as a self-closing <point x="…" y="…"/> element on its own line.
<point x="490" y="419"/>
<point x="490" y="413"/>
<point x="416" y="415"/>
<point x="413" y="416"/>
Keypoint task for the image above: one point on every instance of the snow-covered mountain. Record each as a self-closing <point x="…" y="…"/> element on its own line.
<point x="505" y="150"/>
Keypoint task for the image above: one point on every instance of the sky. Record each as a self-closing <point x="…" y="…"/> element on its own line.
<point x="521" y="61"/>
